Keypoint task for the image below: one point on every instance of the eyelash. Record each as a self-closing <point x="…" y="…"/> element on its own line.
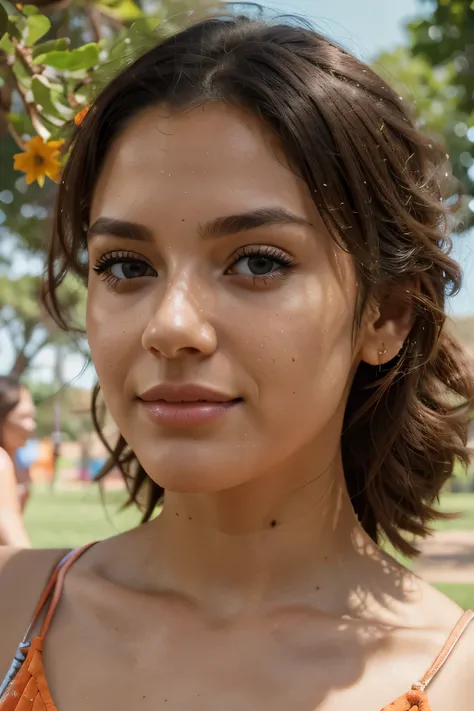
<point x="286" y="263"/>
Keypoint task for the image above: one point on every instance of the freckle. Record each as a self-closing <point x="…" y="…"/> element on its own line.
<point x="182" y="220"/>
<point x="273" y="524"/>
<point x="177" y="514"/>
<point x="273" y="360"/>
<point x="293" y="360"/>
<point x="190" y="518"/>
<point x="294" y="393"/>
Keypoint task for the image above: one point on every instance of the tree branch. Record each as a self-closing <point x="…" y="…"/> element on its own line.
<point x="16" y="137"/>
<point x="22" y="361"/>
<point x="31" y="109"/>
<point x="94" y="19"/>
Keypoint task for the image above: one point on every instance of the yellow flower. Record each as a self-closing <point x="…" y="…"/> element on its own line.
<point x="40" y="159"/>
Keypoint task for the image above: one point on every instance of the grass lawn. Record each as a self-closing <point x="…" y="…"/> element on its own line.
<point x="70" y="519"/>
<point x="457" y="503"/>
<point x="461" y="593"/>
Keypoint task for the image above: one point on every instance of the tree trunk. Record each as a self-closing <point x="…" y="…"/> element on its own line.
<point x="21" y="364"/>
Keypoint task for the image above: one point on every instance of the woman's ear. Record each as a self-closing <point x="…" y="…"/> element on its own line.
<point x="388" y="320"/>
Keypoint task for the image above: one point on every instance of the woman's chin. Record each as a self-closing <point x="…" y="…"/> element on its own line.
<point x="190" y="480"/>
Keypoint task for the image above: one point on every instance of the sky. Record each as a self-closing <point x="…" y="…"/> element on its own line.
<point x="364" y="27"/>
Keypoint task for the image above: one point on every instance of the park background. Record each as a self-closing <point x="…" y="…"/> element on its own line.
<point x="54" y="56"/>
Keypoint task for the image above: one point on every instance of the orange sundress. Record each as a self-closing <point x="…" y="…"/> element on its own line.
<point x="25" y="687"/>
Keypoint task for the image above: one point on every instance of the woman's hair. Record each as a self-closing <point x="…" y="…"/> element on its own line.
<point x="377" y="183"/>
<point x="10" y="391"/>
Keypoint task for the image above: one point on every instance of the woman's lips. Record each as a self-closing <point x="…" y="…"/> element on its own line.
<point x="185" y="405"/>
<point x="186" y="414"/>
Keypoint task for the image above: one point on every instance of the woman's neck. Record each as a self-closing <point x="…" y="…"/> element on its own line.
<point x="281" y="539"/>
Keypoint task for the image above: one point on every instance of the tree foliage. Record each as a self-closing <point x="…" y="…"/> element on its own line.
<point x="55" y="56"/>
<point x="444" y="40"/>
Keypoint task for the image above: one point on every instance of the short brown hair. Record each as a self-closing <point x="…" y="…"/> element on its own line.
<point x="378" y="184"/>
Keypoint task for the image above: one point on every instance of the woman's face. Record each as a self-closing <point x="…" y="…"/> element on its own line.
<point x="20" y="424"/>
<point x="213" y="279"/>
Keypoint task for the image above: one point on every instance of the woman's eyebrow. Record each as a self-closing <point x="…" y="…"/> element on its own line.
<point x="218" y="227"/>
<point x="245" y="221"/>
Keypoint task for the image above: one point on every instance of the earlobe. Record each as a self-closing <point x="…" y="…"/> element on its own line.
<point x="380" y="354"/>
<point x="388" y="323"/>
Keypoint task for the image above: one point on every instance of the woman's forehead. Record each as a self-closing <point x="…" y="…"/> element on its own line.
<point x="214" y="157"/>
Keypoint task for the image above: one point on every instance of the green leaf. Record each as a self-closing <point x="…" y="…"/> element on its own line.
<point x="22" y="74"/>
<point x="12" y="28"/>
<point x="57" y="45"/>
<point x="48" y="98"/>
<point x="37" y="26"/>
<point x="30" y="10"/>
<point x="6" y="45"/>
<point x="84" y="57"/>
<point x="122" y="10"/>
<point x="3" y="20"/>
<point x="86" y="94"/>
<point x="10" y="7"/>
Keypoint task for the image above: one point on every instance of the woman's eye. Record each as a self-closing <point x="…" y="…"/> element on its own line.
<point x="257" y="265"/>
<point x="261" y="262"/>
<point x="131" y="270"/>
<point x="119" y="268"/>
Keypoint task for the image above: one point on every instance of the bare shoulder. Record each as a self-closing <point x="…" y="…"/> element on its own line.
<point x="6" y="463"/>
<point x="23" y="576"/>
<point x="461" y="664"/>
<point x="453" y="684"/>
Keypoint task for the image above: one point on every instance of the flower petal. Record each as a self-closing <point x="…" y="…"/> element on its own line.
<point x="22" y="161"/>
<point x="36" y="144"/>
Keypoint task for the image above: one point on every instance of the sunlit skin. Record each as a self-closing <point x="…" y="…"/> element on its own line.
<point x="283" y="342"/>
<point x="255" y="588"/>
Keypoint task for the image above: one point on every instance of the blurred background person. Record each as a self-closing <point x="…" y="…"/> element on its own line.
<point x="24" y="459"/>
<point x="17" y="425"/>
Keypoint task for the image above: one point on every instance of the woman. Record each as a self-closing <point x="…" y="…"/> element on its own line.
<point x="260" y="228"/>
<point x="17" y="424"/>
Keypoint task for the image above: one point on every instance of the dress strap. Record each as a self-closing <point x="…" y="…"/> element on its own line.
<point x="53" y="590"/>
<point x="446" y="652"/>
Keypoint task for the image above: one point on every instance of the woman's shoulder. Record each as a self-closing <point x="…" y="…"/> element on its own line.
<point x="24" y="574"/>
<point x="450" y="634"/>
<point x="5" y="460"/>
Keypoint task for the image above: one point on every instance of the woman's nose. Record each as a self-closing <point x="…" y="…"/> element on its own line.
<point x="179" y="325"/>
